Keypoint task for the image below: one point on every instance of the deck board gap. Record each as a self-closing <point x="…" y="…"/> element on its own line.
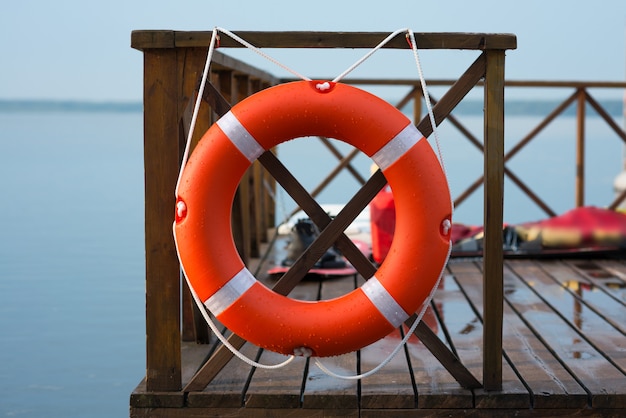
<point x="442" y="324"/>
<point x="571" y="347"/>
<point x="589" y="305"/>
<point x="246" y="384"/>
<point x="305" y="376"/>
<point x="521" y="378"/>
<point x="551" y="350"/>
<point x="359" y="385"/>
<point x="573" y="326"/>
<point x="214" y="346"/>
<point x="407" y="356"/>
<point x="471" y="276"/>
<point x="620" y="278"/>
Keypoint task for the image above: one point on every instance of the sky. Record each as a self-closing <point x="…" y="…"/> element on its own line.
<point x="80" y="50"/>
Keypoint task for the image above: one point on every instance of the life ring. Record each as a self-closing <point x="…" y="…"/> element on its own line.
<point x="206" y="246"/>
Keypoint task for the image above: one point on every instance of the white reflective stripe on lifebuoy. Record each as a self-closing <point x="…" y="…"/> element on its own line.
<point x="397" y="147"/>
<point x="230" y="292"/>
<point x="240" y="137"/>
<point x="384" y="302"/>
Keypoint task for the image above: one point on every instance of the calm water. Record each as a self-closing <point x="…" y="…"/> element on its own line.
<point x="71" y="264"/>
<point x="72" y="338"/>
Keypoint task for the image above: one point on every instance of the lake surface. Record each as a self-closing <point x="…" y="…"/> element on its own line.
<point x="71" y="263"/>
<point x="72" y="338"/>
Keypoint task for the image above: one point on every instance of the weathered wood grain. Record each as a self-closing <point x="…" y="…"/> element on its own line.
<point x="605" y="384"/>
<point x="228" y="387"/>
<point x="550" y="383"/>
<point x="281" y="388"/>
<point x="436" y="387"/>
<point x="146" y="39"/>
<point x="161" y="150"/>
<point x="493" y="163"/>
<point x="321" y="390"/>
<point x="467" y="335"/>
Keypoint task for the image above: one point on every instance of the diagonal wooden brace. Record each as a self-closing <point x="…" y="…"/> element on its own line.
<point x="335" y="234"/>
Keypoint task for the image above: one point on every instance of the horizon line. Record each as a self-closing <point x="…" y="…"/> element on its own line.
<point x="530" y="106"/>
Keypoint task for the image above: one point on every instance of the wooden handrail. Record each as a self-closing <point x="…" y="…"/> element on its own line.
<point x="149" y="39"/>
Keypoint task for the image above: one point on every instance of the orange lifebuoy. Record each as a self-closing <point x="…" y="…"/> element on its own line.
<point x="206" y="191"/>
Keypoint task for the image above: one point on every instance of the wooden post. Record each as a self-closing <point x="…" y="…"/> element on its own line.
<point x="493" y="219"/>
<point x="161" y="156"/>
<point x="580" y="148"/>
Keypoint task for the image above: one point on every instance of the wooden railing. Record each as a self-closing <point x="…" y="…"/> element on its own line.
<point x="171" y="77"/>
<point x="172" y="64"/>
<point x="580" y="96"/>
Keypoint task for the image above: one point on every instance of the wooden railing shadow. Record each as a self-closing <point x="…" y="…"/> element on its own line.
<point x="172" y="61"/>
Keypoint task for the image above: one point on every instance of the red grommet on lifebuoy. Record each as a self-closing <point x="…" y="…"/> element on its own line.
<point x="207" y="188"/>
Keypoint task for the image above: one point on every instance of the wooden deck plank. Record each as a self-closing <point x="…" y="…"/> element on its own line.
<point x="604" y="382"/>
<point x="436" y="387"/>
<point x="587" y="315"/>
<point x="193" y="355"/>
<point x="551" y="385"/>
<point x="240" y="412"/>
<point x="281" y="388"/>
<point x="276" y="388"/>
<point x="227" y="388"/>
<point x="492" y="413"/>
<point x="372" y="413"/>
<point x="460" y="322"/>
<point x="552" y="391"/>
<point x="513" y="393"/>
<point x="551" y="388"/>
<point x="322" y="391"/>
<point x="390" y="387"/>
<point x="589" y="283"/>
<point x="607" y="275"/>
<point x="618" y="268"/>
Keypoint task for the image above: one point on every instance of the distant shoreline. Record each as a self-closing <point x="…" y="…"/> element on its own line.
<point x="470" y="107"/>
<point x="9" y="106"/>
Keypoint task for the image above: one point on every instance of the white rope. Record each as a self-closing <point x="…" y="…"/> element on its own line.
<point x="369" y="54"/>
<point x="431" y="115"/>
<point x="228" y="345"/>
<point x="219" y="334"/>
<point x="205" y="74"/>
<point x="201" y="306"/>
<point x="426" y="303"/>
<point x="196" y="108"/>
<point x="199" y="303"/>
<point x="395" y="351"/>
<point x="261" y="53"/>
<point x="429" y="107"/>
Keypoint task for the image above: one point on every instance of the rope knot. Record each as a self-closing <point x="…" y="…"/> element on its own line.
<point x="302" y="352"/>
<point x="323" y="86"/>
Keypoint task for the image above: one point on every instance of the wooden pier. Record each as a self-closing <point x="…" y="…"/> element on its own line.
<point x="564" y="345"/>
<point x="517" y="337"/>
